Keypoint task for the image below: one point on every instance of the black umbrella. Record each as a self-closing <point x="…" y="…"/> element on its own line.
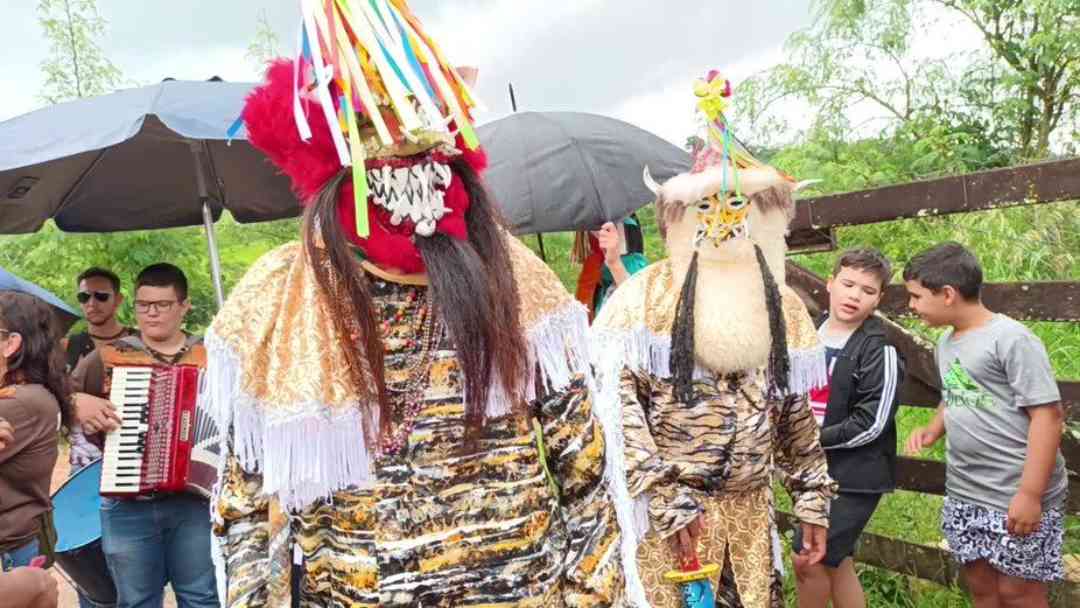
<point x="145" y="158"/>
<point x="559" y="171"/>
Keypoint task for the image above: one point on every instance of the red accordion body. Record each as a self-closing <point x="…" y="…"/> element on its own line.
<point x="164" y="444"/>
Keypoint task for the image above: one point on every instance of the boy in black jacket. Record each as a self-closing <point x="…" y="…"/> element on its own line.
<point x="855" y="411"/>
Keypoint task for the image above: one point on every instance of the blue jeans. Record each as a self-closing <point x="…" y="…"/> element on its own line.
<point x="149" y="544"/>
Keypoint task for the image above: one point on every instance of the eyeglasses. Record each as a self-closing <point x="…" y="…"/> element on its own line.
<point x="84" y="296"/>
<point x="160" y="306"/>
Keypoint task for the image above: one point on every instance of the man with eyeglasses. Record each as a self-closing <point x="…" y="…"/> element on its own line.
<point x="163" y="539"/>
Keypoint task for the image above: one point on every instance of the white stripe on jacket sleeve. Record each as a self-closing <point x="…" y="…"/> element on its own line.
<point x="881" y="418"/>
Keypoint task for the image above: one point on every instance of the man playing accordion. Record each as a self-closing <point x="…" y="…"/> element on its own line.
<point x="155" y="539"/>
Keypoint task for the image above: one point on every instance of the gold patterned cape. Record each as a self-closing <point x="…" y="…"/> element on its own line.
<point x="633" y="331"/>
<point x="276" y="378"/>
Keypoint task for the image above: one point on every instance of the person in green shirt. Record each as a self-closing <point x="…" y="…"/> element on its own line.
<point x="615" y="252"/>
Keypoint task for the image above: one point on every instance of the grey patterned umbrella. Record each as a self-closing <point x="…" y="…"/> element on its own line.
<point x="560" y="171"/>
<point x="144" y="158"/>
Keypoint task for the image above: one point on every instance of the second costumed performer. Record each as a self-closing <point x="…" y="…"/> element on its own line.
<point x="705" y="360"/>
<point x="405" y="391"/>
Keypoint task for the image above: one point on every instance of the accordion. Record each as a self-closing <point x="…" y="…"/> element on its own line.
<point x="165" y="443"/>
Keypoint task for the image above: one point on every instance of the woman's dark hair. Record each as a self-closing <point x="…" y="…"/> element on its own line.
<point x="635" y="240"/>
<point x="40" y="359"/>
<point x="472" y="287"/>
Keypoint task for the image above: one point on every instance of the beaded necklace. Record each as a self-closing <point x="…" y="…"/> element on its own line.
<point x="407" y="397"/>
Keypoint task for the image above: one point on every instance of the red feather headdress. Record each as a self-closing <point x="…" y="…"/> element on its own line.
<point x="372" y="91"/>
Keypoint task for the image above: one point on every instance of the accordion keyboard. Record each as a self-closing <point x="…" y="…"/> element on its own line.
<point x="122" y="465"/>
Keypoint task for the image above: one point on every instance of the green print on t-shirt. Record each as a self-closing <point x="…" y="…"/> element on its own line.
<point x="960" y="390"/>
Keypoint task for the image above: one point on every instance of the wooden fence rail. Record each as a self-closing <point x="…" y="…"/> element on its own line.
<point x="1048" y="182"/>
<point x="814" y="229"/>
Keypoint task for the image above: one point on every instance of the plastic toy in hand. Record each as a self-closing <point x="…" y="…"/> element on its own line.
<point x="697" y="591"/>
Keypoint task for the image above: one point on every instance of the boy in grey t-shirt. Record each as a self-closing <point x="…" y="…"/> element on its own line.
<point x="1006" y="483"/>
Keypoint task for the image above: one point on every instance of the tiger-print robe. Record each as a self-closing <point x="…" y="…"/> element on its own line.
<point x="716" y="454"/>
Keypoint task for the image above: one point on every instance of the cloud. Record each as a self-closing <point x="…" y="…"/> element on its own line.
<point x="630" y="58"/>
<point x="669" y="110"/>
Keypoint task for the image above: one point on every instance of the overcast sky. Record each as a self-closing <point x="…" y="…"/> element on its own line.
<point x="632" y="59"/>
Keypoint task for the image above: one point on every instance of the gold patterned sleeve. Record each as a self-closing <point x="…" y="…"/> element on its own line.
<point x="802" y="461"/>
<point x="574" y="442"/>
<point x="242" y="525"/>
<point x="671" y="505"/>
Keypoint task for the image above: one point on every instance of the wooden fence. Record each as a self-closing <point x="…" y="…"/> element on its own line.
<point x="814" y="230"/>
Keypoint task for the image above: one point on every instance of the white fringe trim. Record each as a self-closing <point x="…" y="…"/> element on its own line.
<point x="613" y="350"/>
<point x="641" y="349"/>
<point x="303" y="451"/>
<point x="808" y="370"/>
<point x="559" y="345"/>
<point x="217" y="555"/>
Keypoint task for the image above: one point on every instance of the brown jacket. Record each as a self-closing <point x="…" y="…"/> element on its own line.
<point x="26" y="464"/>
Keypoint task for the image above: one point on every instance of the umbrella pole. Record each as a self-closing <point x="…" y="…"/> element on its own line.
<point x="208" y="223"/>
<point x="215" y="258"/>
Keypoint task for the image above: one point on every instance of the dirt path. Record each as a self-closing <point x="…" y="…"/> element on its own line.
<point x="68" y="598"/>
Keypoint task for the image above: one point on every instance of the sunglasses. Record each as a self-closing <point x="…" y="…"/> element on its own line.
<point x="84" y="296"/>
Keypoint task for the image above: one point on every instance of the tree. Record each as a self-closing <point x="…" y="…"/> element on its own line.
<point x="1039" y="41"/>
<point x="999" y="103"/>
<point x="264" y="47"/>
<point x="76" y="67"/>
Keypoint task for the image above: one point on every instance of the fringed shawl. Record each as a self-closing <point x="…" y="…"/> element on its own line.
<point x="277" y="378"/>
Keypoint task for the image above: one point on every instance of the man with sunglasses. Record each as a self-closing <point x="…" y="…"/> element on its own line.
<point x="163" y="539"/>
<point x="100" y="299"/>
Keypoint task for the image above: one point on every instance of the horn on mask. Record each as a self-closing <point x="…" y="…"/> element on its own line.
<point x="650" y="183"/>
<point x="804" y="183"/>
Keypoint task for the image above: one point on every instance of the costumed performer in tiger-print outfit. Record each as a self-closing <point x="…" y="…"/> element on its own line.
<point x="706" y="358"/>
<point x="405" y="391"/>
